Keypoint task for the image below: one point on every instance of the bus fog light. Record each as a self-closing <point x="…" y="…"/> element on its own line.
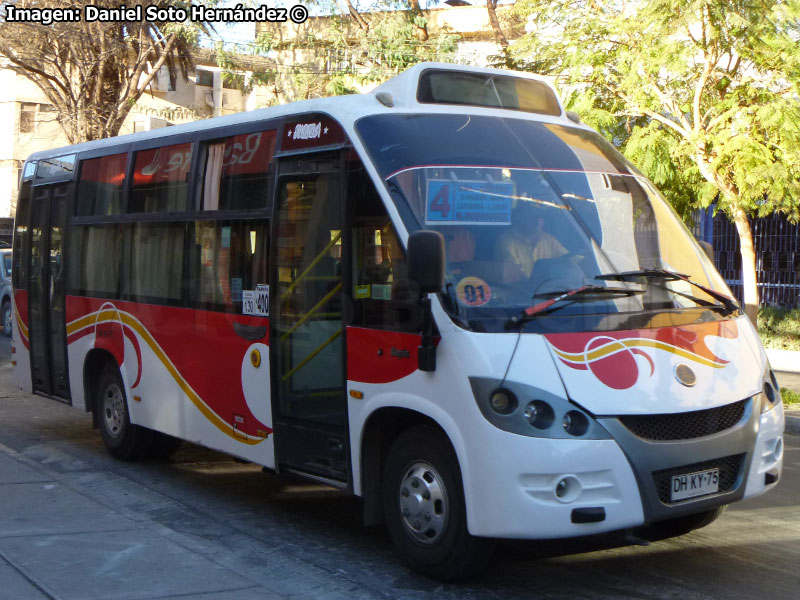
<point x="503" y="402"/>
<point x="567" y="489"/>
<point x="575" y="423"/>
<point x="777" y="450"/>
<point x="539" y="414"/>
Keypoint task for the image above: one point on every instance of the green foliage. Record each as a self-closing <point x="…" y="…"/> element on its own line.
<point x="790" y="398"/>
<point x="391" y="46"/>
<point x="779" y="328"/>
<point x="701" y="94"/>
<point x="704" y="92"/>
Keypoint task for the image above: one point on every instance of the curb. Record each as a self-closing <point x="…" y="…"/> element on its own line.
<point x="787" y="361"/>
<point x="792" y="421"/>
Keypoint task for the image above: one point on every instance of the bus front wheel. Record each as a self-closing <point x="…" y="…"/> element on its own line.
<point x="123" y="439"/>
<point x="423" y="503"/>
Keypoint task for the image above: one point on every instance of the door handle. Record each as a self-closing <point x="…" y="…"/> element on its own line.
<point x="252" y="333"/>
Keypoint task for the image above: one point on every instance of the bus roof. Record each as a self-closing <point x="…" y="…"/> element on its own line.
<point x="397" y="95"/>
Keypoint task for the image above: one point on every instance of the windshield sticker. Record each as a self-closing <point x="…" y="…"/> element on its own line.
<point x="473" y="291"/>
<point x="381" y="291"/>
<point x="236" y="289"/>
<point x="256" y="302"/>
<point x="469" y="202"/>
<point x="362" y="292"/>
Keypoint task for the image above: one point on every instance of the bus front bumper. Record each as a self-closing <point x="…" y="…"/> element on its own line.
<point x="534" y="488"/>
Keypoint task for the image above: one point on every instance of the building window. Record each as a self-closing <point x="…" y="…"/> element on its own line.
<point x="27" y="117"/>
<point x="205" y="78"/>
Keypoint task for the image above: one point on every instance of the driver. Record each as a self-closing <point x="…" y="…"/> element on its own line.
<point x="526" y="241"/>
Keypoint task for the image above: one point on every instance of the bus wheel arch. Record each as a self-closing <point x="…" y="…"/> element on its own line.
<point x="424" y="507"/>
<point x="401" y="447"/>
<point x="110" y="410"/>
<point x="380" y="431"/>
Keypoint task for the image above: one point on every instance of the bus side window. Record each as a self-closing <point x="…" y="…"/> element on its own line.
<point x="381" y="292"/>
<point x="159" y="179"/>
<point x="236" y="174"/>
<point x="152" y="265"/>
<point x="93" y="265"/>
<point x="226" y="257"/>
<point x="100" y="186"/>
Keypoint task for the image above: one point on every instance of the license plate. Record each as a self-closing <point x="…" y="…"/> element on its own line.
<point x="694" y="484"/>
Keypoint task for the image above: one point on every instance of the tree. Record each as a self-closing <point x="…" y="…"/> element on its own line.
<point x="354" y="45"/>
<point x="94" y="72"/>
<point x="703" y="92"/>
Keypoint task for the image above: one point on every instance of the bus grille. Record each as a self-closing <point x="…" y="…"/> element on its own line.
<point x="685" y="426"/>
<point x="729" y="469"/>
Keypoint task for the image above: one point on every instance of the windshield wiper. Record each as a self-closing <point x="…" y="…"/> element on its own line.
<point x="585" y="292"/>
<point x="728" y="304"/>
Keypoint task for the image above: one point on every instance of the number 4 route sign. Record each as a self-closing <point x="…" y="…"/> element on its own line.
<point x="469" y="202"/>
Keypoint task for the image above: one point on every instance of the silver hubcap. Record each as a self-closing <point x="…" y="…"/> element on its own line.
<point x="114" y="410"/>
<point x="423" y="503"/>
<point x="7" y="318"/>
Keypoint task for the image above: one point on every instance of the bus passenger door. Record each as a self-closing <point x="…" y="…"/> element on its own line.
<point x="48" y="213"/>
<point x="307" y="342"/>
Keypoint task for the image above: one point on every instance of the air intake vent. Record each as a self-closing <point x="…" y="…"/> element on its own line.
<point x="685" y="426"/>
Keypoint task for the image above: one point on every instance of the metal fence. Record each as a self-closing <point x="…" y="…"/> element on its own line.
<point x="777" y="245"/>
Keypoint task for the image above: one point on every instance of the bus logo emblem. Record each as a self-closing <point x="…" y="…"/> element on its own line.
<point x="685" y="375"/>
<point x="308" y="131"/>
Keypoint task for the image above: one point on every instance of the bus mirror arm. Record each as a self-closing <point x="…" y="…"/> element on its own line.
<point x="426" y="351"/>
<point x="426" y="269"/>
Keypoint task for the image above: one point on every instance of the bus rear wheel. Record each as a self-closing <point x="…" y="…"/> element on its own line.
<point x="423" y="503"/>
<point x="122" y="439"/>
<point x="7" y="318"/>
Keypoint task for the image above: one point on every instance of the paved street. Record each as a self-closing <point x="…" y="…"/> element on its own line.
<point x="76" y="524"/>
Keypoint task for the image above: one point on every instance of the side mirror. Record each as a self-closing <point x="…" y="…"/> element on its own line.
<point x="426" y="269"/>
<point x="707" y="248"/>
<point x="426" y="260"/>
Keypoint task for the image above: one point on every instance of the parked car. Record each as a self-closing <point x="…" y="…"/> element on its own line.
<point x="5" y="290"/>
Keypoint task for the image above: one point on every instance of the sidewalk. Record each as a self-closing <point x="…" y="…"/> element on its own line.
<point x="56" y="542"/>
<point x="787" y="369"/>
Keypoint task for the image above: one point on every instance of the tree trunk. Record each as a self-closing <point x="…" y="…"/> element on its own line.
<point x="746" y="248"/>
<point x="500" y="36"/>
<point x="748" y="264"/>
<point x="421" y="30"/>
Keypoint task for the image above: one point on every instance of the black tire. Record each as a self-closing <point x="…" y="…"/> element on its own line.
<point x="683" y="525"/>
<point x="163" y="445"/>
<point x="432" y="537"/>
<point x="7" y="318"/>
<point x="123" y="440"/>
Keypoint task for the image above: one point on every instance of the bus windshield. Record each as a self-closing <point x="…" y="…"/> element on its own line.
<point x="530" y="211"/>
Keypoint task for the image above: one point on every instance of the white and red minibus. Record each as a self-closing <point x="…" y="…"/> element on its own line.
<point x="448" y="297"/>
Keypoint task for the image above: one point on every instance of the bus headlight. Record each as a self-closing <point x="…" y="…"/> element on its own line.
<point x="539" y="414"/>
<point x="529" y="411"/>
<point x="503" y="402"/>
<point x="770" y="396"/>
